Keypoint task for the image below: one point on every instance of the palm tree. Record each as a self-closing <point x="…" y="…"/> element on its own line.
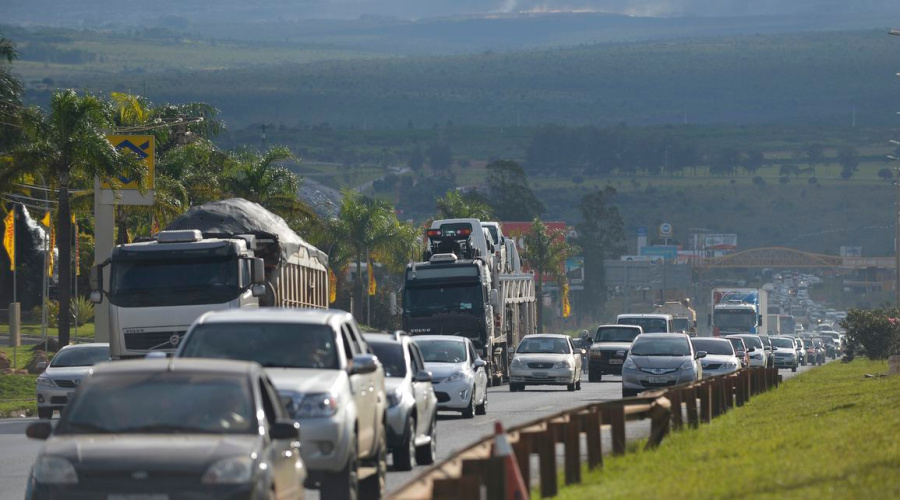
<point x="69" y="145"/>
<point x="546" y="251"/>
<point x="10" y="94"/>
<point x="455" y="205"/>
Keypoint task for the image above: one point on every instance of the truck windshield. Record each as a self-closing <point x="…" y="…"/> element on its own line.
<point x="428" y="301"/>
<point x="681" y="324"/>
<point x="158" y="282"/>
<point x="735" y="318"/>
<point x="648" y="325"/>
<point x="273" y="345"/>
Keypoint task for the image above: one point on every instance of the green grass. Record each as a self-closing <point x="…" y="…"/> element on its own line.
<point x="85" y="331"/>
<point x="17" y="394"/>
<point x="23" y="356"/>
<point x="829" y="433"/>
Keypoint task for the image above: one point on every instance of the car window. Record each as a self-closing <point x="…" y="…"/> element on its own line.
<point x="267" y="404"/>
<point x="350" y="341"/>
<point x="543" y="345"/>
<point x="753" y="341"/>
<point x="648" y="325"/>
<point x="472" y="356"/>
<point x="392" y="358"/>
<point x="442" y="351"/>
<point x="415" y="357"/>
<point x="783" y="343"/>
<point x="713" y="346"/>
<point x="737" y="344"/>
<point x="676" y="346"/>
<point x="280" y="411"/>
<point x="162" y="402"/>
<point x="613" y="334"/>
<point x="80" y="356"/>
<point x="273" y="345"/>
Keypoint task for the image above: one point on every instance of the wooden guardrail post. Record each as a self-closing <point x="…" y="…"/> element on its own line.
<point x="593" y="421"/>
<point x="740" y="389"/>
<point x="523" y="448"/>
<point x="495" y="478"/>
<point x="716" y="397"/>
<point x="705" y="409"/>
<point x="677" y="419"/>
<point x="660" y="416"/>
<point x="456" y="488"/>
<point x="689" y="396"/>
<point x="748" y="379"/>
<point x="729" y="392"/>
<point x="547" y="456"/>
<point x="616" y="416"/>
<point x="572" y="463"/>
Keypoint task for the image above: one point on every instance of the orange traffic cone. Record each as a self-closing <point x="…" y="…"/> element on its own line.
<point x="516" y="489"/>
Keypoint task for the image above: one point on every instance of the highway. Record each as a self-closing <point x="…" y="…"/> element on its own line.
<point x="454" y="432"/>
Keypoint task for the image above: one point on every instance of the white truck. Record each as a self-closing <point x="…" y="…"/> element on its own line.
<point x="230" y="254"/>
<point x="684" y="316"/>
<point x="739" y="310"/>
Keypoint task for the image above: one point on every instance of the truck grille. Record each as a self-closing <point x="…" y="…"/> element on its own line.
<point x="153" y="340"/>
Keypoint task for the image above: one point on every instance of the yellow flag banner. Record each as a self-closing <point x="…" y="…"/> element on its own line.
<point x="9" y="238"/>
<point x="566" y="308"/>
<point x="50" y="256"/>
<point x="46" y="220"/>
<point x="372" y="284"/>
<point x="332" y="286"/>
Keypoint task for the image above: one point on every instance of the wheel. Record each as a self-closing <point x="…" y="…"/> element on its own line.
<point x="482" y="408"/>
<point x="570" y="387"/>
<point x="45" y="413"/>
<point x="578" y="385"/>
<point x="594" y="377"/>
<point x="469" y="412"/>
<point x="425" y="454"/>
<point x="403" y="455"/>
<point x="627" y="394"/>
<point x="373" y="487"/>
<point x="794" y="368"/>
<point x="344" y="484"/>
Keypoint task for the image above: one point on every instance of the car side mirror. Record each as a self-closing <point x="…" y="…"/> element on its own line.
<point x="479" y="363"/>
<point x="285" y="429"/>
<point x="363" y="363"/>
<point x="700" y="354"/>
<point x="767" y="348"/>
<point x="774" y="348"/>
<point x="39" y="430"/>
<point x="422" y="376"/>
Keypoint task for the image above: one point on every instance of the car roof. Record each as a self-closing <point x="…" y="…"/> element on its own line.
<point x="712" y="339"/>
<point x="275" y="315"/>
<point x="82" y="346"/>
<point x="647" y="315"/>
<point x="661" y="335"/>
<point x="618" y="325"/>
<point x="204" y="365"/>
<point x="380" y="338"/>
<point x="547" y="335"/>
<point x="441" y="337"/>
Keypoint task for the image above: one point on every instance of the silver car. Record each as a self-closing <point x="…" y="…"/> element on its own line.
<point x="759" y="355"/>
<point x="545" y="359"/>
<point x="411" y="418"/>
<point x="458" y="374"/>
<point x="720" y="357"/>
<point x="66" y="371"/>
<point x="660" y="360"/>
<point x="785" y="353"/>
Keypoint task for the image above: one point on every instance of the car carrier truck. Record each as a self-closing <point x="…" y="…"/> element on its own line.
<point x="227" y="254"/>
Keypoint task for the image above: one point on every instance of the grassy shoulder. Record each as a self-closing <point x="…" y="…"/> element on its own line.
<point x="17" y="394"/>
<point x="85" y="331"/>
<point x="828" y="433"/>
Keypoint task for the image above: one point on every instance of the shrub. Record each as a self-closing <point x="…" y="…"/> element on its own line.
<point x="873" y="332"/>
<point x="784" y="179"/>
<point x="759" y="181"/>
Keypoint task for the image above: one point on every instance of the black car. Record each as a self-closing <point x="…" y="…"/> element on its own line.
<point x="609" y="349"/>
<point x="170" y="429"/>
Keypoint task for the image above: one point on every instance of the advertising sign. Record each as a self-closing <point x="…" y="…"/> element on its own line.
<point x="664" y="251"/>
<point x="720" y="242"/>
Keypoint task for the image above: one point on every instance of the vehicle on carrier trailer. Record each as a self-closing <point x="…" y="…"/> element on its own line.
<point x="738" y="310"/>
<point x="229" y="254"/>
<point x="683" y="315"/>
<point x="464" y="286"/>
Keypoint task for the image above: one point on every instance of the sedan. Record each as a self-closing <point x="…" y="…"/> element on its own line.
<point x="720" y="357"/>
<point x="458" y="374"/>
<point x="660" y="360"/>
<point x="545" y="359"/>
<point x="758" y="355"/>
<point x="67" y="368"/>
<point x="785" y="353"/>
<point x="166" y="429"/>
<point x="741" y="350"/>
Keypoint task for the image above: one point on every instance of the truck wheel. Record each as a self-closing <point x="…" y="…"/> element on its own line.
<point x="344" y="484"/>
<point x="373" y="486"/>
<point x="403" y="455"/>
<point x="45" y="413"/>
<point x="594" y="375"/>
<point x="482" y="408"/>
<point x="469" y="412"/>
<point x="425" y="454"/>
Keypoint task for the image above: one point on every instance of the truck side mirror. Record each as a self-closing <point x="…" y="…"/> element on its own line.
<point x="258" y="272"/>
<point x="495" y="299"/>
<point x="97" y="283"/>
<point x="709" y="320"/>
<point x="759" y="320"/>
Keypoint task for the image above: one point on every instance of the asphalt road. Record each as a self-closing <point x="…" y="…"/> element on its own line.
<point x="17" y="452"/>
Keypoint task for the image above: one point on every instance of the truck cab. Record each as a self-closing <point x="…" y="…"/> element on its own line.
<point x="649" y="323"/>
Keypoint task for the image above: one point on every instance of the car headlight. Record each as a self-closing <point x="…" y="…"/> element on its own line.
<point x="729" y="366"/>
<point x="234" y="470"/>
<point x="54" y="470"/>
<point x="687" y="365"/>
<point x="564" y="364"/>
<point x="460" y="375"/>
<point x="517" y="363"/>
<point x="316" y="405"/>
<point x="629" y="364"/>
<point x="394" y="397"/>
<point x="45" y="382"/>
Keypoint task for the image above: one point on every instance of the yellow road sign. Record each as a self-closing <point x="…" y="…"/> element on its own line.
<point x="142" y="145"/>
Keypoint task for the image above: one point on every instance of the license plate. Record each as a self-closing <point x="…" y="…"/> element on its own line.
<point x="539" y="374"/>
<point x="139" y="496"/>
<point x="616" y="361"/>
<point x="658" y="380"/>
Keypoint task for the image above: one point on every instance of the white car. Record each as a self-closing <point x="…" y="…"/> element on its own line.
<point x="545" y="359"/>
<point x="67" y="369"/>
<point x="458" y="374"/>
<point x="720" y="356"/>
<point x="759" y="354"/>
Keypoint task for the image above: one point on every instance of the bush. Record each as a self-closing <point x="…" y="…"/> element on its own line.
<point x="759" y="181"/>
<point x="873" y="332"/>
<point x="784" y="179"/>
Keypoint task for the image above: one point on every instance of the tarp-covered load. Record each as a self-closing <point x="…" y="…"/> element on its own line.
<point x="235" y="216"/>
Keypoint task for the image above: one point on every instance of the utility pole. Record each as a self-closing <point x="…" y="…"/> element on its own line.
<point x="895" y="32"/>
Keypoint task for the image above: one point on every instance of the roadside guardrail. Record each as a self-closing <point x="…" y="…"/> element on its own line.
<point x="465" y="473"/>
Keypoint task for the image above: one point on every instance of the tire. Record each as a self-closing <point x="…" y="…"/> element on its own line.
<point x="627" y="394"/>
<point x="403" y="455"/>
<point x="45" y="413"/>
<point x="793" y="368"/>
<point x="570" y="387"/>
<point x="594" y="377"/>
<point x="344" y="484"/>
<point x="469" y="412"/>
<point x="578" y="385"/>
<point x="426" y="454"/>
<point x="482" y="408"/>
<point x="373" y="487"/>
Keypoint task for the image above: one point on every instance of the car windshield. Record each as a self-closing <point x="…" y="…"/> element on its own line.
<point x="753" y="341"/>
<point x="391" y="356"/>
<point x="676" y="346"/>
<point x="788" y="343"/>
<point x="442" y="351"/>
<point x="80" y="356"/>
<point x="273" y="345"/>
<point x="737" y="344"/>
<point x="543" y="345"/>
<point x="613" y="334"/>
<point x="713" y="346"/>
<point x="161" y="403"/>
<point x="648" y="325"/>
